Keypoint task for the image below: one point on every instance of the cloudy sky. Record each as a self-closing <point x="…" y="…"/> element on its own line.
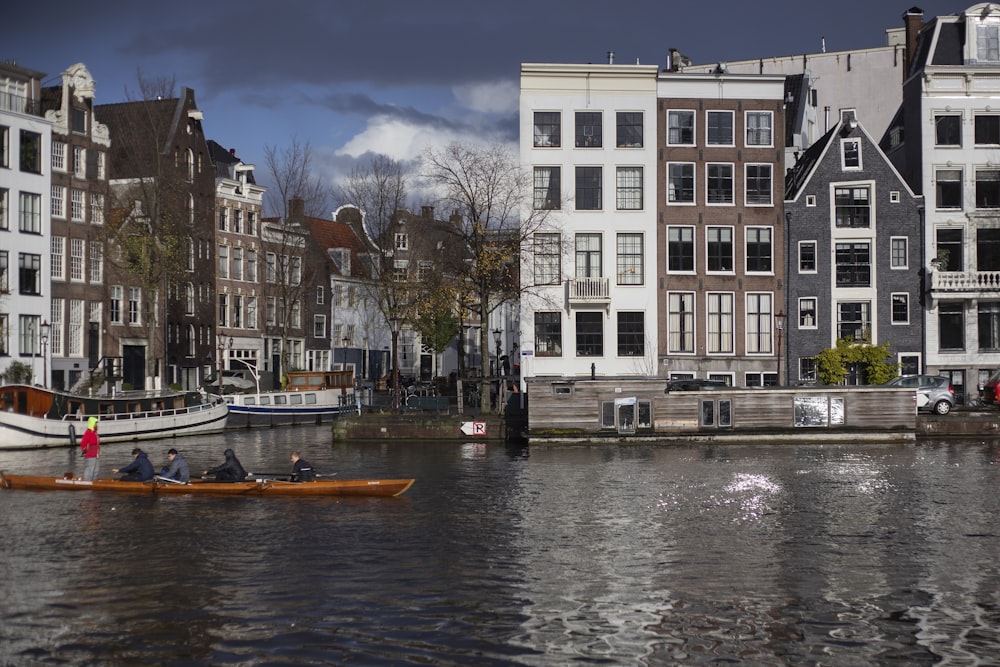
<point x="386" y="76"/>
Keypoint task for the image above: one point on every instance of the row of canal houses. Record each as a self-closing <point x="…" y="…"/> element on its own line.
<point x="730" y="221"/>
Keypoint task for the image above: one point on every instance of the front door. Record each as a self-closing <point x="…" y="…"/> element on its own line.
<point x="134" y="365"/>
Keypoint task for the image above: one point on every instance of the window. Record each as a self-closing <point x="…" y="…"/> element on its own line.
<point x="31" y="213"/>
<point x="588" y="129"/>
<point x="223" y="219"/>
<point x="28" y="326"/>
<point x="853" y="206"/>
<point x="680" y="128"/>
<point x="988" y="188"/>
<point x="588" y="188"/>
<point x="631" y="334"/>
<point x="680" y="182"/>
<point x="4" y="146"/>
<point x="810" y="200"/>
<point x="134" y="305"/>
<point x="948" y="188"/>
<point x="4" y="272"/>
<point x="680" y="322"/>
<point x="853" y="265"/>
<point x="951" y="325"/>
<point x="719" y="128"/>
<point x="271" y="270"/>
<point x="987" y="249"/>
<point x="548" y="129"/>
<point x="223" y="310"/>
<point x="807" y="312"/>
<point x="947" y="130"/>
<point x="758" y="249"/>
<point x="115" y="305"/>
<point x="629" y="129"/>
<point x="987" y="43"/>
<point x="853" y="319"/>
<point x="189" y="299"/>
<point x="55" y="332"/>
<point x="96" y="209"/>
<point x="899" y="254"/>
<point x="629" y="189"/>
<point x="237" y="265"/>
<point x="101" y="174"/>
<point x="57" y="251"/>
<point x="719" y="245"/>
<point x="320" y="295"/>
<point x="319" y="326"/>
<point x="4" y="207"/>
<point x="237" y="221"/>
<point x="630" y="260"/>
<point x="79" y="162"/>
<point x="759" y="320"/>
<point x="30" y="273"/>
<point x="252" y="265"/>
<point x="720" y="322"/>
<point x="296" y="272"/>
<point x="588" y="256"/>
<point x="759" y="128"/>
<point x="78" y="121"/>
<point x="758" y="185"/>
<point x="96" y="262"/>
<point x="58" y="156"/>
<point x="31" y="152"/>
<point x="989" y="325"/>
<point x="402" y="241"/>
<point x="987" y="130"/>
<point x="76" y="204"/>
<point x="223" y="261"/>
<point x="548" y="334"/>
<point x="548" y="258"/>
<point x="901" y="308"/>
<point x="76" y="251"/>
<point x="58" y="204"/>
<point x="850" y="153"/>
<point x="719" y="183"/>
<point x="807" y="369"/>
<point x="547" y="188"/>
<point x="75" y="337"/>
<point x="807" y="257"/>
<point x="251" y="312"/>
<point x="189" y="163"/>
<point x="949" y="249"/>
<point x="589" y="334"/>
<point x="251" y="222"/>
<point x="680" y="248"/>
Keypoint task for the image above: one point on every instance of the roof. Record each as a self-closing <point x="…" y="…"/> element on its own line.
<point x="330" y="234"/>
<point x="801" y="172"/>
<point x="136" y="127"/>
<point x="222" y="157"/>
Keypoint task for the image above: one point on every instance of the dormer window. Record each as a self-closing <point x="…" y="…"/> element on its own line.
<point x="982" y="29"/>
<point x="988" y="43"/>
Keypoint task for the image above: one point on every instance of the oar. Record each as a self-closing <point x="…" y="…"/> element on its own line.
<point x="272" y="475"/>
<point x="168" y="480"/>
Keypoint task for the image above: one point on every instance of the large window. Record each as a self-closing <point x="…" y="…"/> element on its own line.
<point x="719" y="178"/>
<point x="758" y="184"/>
<point x="29" y="273"/>
<point x="948" y="188"/>
<point x="951" y="325"/>
<point x="719" y="242"/>
<point x="630" y="259"/>
<point x="680" y="182"/>
<point x="631" y="334"/>
<point x="807" y="312"/>
<point x="987" y="130"/>
<point x="853" y="206"/>
<point x="223" y="261"/>
<point x="720" y="322"/>
<point x="548" y="334"/>
<point x="807" y="257"/>
<point x="58" y="203"/>
<point x="588" y="188"/>
<point x="988" y="188"/>
<point x="759" y="128"/>
<point x="58" y="156"/>
<point x="76" y="258"/>
<point x="680" y="248"/>
<point x="547" y="129"/>
<point x="759" y="318"/>
<point x="949" y="250"/>
<point x="680" y="127"/>
<point x="588" y="129"/>
<point x="987" y="249"/>
<point x="30" y="220"/>
<point x="134" y="305"/>
<point x="989" y="325"/>
<point x="115" y="304"/>
<point x="719" y="130"/>
<point x="853" y="265"/>
<point x="588" y="256"/>
<point x="628" y="191"/>
<point x="547" y="259"/>
<point x="948" y="130"/>
<point x="759" y="248"/>
<point x="629" y="129"/>
<point x="31" y="152"/>
<point x="853" y="319"/>
<point x="680" y="322"/>
<point x="547" y="187"/>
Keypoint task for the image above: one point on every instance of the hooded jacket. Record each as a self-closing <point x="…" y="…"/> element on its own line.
<point x="230" y="470"/>
<point x="141" y="466"/>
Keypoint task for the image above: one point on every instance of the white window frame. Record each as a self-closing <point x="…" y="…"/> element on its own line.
<point x="843" y="154"/>
<point x="694" y="184"/>
<point x="694" y="126"/>
<point x="892" y="310"/>
<point x="748" y="129"/>
<point x="746" y="184"/>
<point x="732" y="184"/>
<point x="804" y="302"/>
<point x="717" y="320"/>
<point x="893" y="240"/>
<point x="675" y="345"/>
<point x="815" y="247"/>
<point x="732" y="124"/>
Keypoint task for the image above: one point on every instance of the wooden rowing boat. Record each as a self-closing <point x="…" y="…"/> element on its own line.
<point x="257" y="487"/>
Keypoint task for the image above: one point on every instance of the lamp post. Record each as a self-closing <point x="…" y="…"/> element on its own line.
<point x="222" y="351"/>
<point x="497" y="338"/>
<point x="394" y="324"/>
<point x="347" y="341"/>
<point x="779" y="324"/>
<point x="45" y="359"/>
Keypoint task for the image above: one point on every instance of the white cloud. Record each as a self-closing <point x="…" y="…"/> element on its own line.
<point x="493" y="97"/>
<point x="404" y="141"/>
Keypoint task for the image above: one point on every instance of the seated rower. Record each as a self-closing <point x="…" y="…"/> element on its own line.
<point x="302" y="470"/>
<point x="177" y="468"/>
<point x="230" y="470"/>
<point x="140" y="470"/>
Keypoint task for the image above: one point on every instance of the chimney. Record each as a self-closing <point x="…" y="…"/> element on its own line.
<point x="427" y="212"/>
<point x="912" y="20"/>
<point x="611" y="57"/>
<point x="296" y="209"/>
<point x="232" y="151"/>
<point x="673" y="60"/>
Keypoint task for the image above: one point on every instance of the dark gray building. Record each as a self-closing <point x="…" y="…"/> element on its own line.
<point x="854" y="230"/>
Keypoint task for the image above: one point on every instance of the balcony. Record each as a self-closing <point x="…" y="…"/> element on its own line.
<point x="20" y="104"/>
<point x="583" y="292"/>
<point x="965" y="281"/>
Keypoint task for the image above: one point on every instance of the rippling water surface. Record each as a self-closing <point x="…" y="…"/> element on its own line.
<point x="822" y="555"/>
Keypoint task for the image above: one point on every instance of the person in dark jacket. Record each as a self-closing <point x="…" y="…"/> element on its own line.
<point x="302" y="470"/>
<point x="229" y="470"/>
<point x="177" y="468"/>
<point x="140" y="470"/>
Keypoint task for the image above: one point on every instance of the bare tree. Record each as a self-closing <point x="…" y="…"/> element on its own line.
<point x="290" y="170"/>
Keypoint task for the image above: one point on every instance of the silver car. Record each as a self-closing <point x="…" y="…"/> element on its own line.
<point x="934" y="392"/>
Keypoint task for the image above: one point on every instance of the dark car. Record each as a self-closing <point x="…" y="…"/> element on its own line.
<point x="693" y="384"/>
<point x="934" y="392"/>
<point x="988" y="393"/>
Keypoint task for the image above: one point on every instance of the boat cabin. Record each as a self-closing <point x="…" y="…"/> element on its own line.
<point x="314" y="380"/>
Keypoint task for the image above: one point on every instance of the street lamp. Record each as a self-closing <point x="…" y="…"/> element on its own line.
<point x="779" y="324"/>
<point x="222" y="351"/>
<point x="347" y="341"/>
<point x="45" y="360"/>
<point x="497" y="338"/>
<point x="394" y="324"/>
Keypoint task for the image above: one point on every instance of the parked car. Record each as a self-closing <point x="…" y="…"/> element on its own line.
<point x="694" y="384"/>
<point x="934" y="393"/>
<point x="988" y="394"/>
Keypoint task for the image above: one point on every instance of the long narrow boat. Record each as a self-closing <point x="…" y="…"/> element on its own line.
<point x="257" y="487"/>
<point x="32" y="417"/>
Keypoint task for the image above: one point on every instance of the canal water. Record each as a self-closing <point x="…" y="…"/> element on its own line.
<point x="636" y="555"/>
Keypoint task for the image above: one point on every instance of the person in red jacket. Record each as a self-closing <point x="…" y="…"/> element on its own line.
<point x="90" y="447"/>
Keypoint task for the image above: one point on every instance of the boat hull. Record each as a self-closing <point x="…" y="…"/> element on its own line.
<point x="259" y="487"/>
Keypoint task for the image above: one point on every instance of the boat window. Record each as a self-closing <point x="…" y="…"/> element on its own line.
<point x="725" y="413"/>
<point x="708" y="413"/>
<point x="249" y="400"/>
<point x="311" y="399"/>
<point x="281" y="399"/>
<point x="644" y="418"/>
<point x="265" y="400"/>
<point x="295" y="399"/>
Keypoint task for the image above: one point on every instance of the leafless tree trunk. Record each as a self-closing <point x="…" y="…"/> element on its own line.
<point x="290" y="170"/>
